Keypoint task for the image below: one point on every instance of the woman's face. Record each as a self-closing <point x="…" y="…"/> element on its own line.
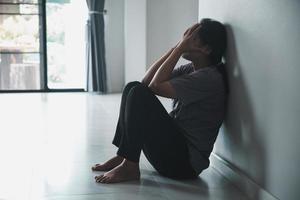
<point x="194" y="55"/>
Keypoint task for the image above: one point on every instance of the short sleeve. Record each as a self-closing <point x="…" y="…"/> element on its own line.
<point x="183" y="69"/>
<point x="192" y="87"/>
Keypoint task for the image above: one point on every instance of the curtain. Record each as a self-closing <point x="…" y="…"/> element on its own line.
<point x="96" y="66"/>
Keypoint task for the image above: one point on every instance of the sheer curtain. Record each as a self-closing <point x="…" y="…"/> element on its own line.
<point x="96" y="65"/>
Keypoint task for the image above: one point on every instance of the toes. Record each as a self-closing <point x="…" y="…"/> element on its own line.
<point x="98" y="167"/>
<point x="95" y="166"/>
<point x="105" y="180"/>
<point x="109" y="180"/>
<point x="98" y="178"/>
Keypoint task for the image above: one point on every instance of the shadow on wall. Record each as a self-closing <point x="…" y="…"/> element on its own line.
<point x="240" y="130"/>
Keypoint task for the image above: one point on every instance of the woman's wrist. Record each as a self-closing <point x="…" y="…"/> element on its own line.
<point x="178" y="49"/>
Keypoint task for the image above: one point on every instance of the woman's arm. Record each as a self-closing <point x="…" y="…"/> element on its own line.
<point x="160" y="84"/>
<point x="154" y="67"/>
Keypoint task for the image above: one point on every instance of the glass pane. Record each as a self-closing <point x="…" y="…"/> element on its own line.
<point x="19" y="71"/>
<point x="18" y="1"/>
<point x="66" y="43"/>
<point x="19" y="33"/>
<point x="19" y="9"/>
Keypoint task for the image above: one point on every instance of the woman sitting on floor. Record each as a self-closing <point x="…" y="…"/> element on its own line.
<point x="177" y="144"/>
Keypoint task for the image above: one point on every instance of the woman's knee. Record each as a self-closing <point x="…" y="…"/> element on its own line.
<point x="141" y="90"/>
<point x="130" y="85"/>
<point x="143" y="99"/>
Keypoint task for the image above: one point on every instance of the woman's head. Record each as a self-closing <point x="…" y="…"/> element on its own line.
<point x="213" y="34"/>
<point x="212" y="37"/>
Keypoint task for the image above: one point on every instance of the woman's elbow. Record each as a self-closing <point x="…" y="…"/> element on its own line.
<point x="153" y="86"/>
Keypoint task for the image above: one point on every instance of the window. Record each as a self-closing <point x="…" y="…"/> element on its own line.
<point x="36" y="57"/>
<point x="19" y="45"/>
<point x="66" y="56"/>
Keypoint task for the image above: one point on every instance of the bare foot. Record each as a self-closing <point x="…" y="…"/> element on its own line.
<point x="108" y="165"/>
<point x="126" y="171"/>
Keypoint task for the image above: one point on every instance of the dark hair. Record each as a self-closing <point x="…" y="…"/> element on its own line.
<point x="213" y="34"/>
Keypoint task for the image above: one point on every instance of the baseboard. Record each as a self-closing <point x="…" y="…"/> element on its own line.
<point x="241" y="181"/>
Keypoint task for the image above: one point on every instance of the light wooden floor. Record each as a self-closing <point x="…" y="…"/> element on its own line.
<point x="48" y="143"/>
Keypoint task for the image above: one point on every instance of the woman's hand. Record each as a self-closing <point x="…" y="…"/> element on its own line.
<point x="189" y="40"/>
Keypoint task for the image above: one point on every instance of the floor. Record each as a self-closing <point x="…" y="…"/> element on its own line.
<point x="48" y="143"/>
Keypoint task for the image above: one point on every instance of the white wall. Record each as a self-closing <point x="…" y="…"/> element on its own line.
<point x="114" y="44"/>
<point x="261" y="132"/>
<point x="135" y="39"/>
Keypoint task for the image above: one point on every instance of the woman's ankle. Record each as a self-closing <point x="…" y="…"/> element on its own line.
<point x="130" y="163"/>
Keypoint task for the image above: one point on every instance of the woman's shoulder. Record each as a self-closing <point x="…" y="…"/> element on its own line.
<point x="182" y="69"/>
<point x="186" y="68"/>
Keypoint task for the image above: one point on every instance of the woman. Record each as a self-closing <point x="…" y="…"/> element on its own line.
<point x="178" y="144"/>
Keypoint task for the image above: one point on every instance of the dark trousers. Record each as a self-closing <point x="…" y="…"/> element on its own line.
<point x="144" y="124"/>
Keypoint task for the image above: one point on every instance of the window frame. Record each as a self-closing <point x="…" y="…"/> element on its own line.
<point x="43" y="52"/>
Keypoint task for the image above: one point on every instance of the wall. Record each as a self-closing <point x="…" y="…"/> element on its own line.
<point x="135" y="39"/>
<point x="260" y="135"/>
<point x="114" y="44"/>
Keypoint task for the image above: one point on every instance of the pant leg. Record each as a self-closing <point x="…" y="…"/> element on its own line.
<point x="148" y="126"/>
<point x="120" y="124"/>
